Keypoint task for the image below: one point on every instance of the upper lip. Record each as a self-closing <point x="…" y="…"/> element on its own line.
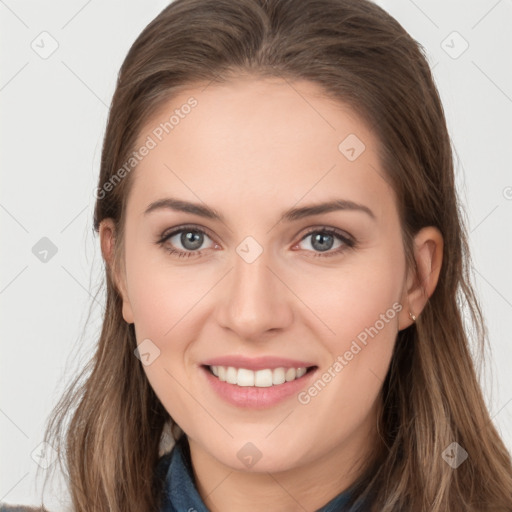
<point x="257" y="363"/>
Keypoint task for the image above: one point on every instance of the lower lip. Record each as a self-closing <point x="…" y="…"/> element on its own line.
<point x="255" y="397"/>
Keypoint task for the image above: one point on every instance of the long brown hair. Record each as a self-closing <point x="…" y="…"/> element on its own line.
<point x="431" y="396"/>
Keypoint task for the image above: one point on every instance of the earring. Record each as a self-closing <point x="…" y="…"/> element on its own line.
<point x="413" y="317"/>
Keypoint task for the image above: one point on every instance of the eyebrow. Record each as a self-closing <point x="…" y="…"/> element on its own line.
<point x="290" y="215"/>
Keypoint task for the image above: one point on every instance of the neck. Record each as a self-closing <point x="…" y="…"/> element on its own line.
<point x="306" y="487"/>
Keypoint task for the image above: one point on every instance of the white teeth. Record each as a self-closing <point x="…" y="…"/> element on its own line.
<point x="263" y="378"/>
<point x="290" y="374"/>
<point x="244" y="377"/>
<point x="231" y="375"/>
<point x="301" y="371"/>
<point x="278" y="376"/>
<point x="260" y="378"/>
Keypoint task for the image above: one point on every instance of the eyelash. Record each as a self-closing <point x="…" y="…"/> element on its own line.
<point x="348" y="241"/>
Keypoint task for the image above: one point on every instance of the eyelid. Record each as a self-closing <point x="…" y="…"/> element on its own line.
<point x="169" y="233"/>
<point x="347" y="239"/>
<point x="327" y="229"/>
<point x="172" y="231"/>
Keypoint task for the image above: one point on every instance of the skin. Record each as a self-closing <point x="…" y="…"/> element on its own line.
<point x="251" y="149"/>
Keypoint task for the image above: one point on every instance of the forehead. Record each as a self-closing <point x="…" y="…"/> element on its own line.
<point x="254" y="139"/>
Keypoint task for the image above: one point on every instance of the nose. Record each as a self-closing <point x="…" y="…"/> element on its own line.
<point x="255" y="299"/>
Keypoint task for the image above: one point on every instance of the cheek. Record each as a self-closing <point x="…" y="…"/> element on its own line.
<point x="160" y="294"/>
<point x="362" y="291"/>
<point x="359" y="306"/>
<point x="162" y="300"/>
<point x="166" y="302"/>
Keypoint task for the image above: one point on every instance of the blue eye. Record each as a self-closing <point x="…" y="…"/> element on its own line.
<point x="323" y="240"/>
<point x="192" y="238"/>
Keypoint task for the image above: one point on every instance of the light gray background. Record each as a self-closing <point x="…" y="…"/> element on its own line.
<point x="53" y="117"/>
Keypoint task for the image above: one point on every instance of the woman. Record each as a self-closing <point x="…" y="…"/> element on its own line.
<point x="284" y="256"/>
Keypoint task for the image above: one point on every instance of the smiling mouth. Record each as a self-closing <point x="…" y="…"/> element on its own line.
<point x="264" y="378"/>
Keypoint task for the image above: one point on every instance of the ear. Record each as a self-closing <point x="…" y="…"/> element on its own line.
<point x="107" y="234"/>
<point x="422" y="281"/>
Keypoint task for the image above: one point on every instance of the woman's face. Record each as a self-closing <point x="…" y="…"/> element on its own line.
<point x="231" y="260"/>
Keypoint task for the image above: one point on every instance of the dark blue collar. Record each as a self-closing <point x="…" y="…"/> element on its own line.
<point x="180" y="493"/>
